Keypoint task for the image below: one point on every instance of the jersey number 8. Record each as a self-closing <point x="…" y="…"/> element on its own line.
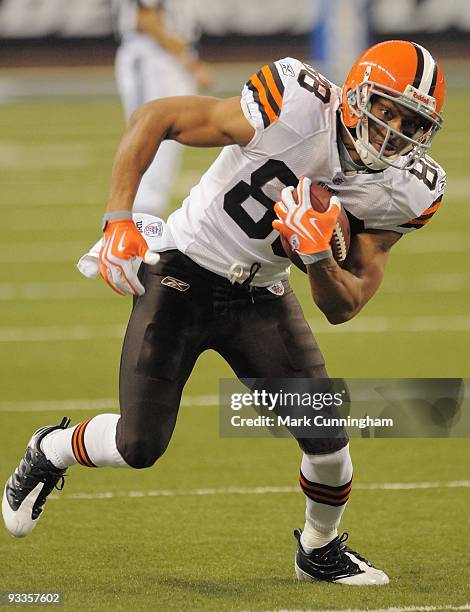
<point x="234" y="199"/>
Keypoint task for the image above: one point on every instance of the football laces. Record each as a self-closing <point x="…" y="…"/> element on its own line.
<point x="339" y="243"/>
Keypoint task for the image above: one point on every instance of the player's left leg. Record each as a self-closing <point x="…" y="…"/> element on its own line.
<point x="276" y="342"/>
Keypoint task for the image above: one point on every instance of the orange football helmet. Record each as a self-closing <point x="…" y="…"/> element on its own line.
<point x="406" y="74"/>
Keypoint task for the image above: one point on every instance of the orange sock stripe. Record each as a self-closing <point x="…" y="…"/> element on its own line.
<point x="74" y="443"/>
<point x="78" y="445"/>
<point x="77" y="449"/>
<point x="314" y="489"/>
<point x="323" y="499"/>
<point x="325" y="494"/>
<point x="328" y="488"/>
<point x="81" y="444"/>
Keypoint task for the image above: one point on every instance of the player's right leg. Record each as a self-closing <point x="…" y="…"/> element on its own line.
<point x="163" y="340"/>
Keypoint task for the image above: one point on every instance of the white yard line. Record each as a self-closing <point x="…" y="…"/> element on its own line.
<point x="440" y="242"/>
<point x="54" y="251"/>
<point x="59" y="251"/>
<point x="58" y="290"/>
<point x="106" y="403"/>
<point x="42" y="156"/>
<point x="424" y="283"/>
<point x="394" y="609"/>
<point x="80" y="290"/>
<point x="55" y="333"/>
<point x="373" y="325"/>
<point x="112" y="403"/>
<point x="202" y="492"/>
<point x="361" y="325"/>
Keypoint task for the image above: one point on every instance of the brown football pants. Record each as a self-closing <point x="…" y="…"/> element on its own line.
<point x="259" y="334"/>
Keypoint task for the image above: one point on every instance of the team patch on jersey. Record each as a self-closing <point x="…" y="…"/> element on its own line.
<point x="268" y="89"/>
<point x="425" y="217"/>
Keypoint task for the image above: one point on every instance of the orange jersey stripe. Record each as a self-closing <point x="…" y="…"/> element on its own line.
<point x="419" y="221"/>
<point x="263" y="98"/>
<point x="276" y="94"/>
<point x="431" y="209"/>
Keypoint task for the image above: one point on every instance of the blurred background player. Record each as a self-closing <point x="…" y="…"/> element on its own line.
<point x="341" y="31"/>
<point x="157" y="58"/>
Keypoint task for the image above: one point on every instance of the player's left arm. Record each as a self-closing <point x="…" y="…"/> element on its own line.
<point x="341" y="292"/>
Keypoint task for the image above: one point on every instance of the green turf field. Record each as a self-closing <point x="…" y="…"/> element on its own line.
<point x="170" y="538"/>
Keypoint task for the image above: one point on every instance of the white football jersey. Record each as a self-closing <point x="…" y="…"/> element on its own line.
<point x="226" y="219"/>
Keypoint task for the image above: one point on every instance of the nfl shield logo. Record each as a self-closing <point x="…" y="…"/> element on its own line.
<point x="277" y="288"/>
<point x="154" y="230"/>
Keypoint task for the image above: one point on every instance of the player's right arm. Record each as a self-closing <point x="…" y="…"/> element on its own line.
<point x="191" y="120"/>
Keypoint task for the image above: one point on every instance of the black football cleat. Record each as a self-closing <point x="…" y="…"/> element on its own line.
<point x="337" y="563"/>
<point x="28" y="487"/>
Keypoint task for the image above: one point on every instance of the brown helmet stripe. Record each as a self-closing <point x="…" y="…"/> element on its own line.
<point x="419" y="67"/>
<point x="434" y="80"/>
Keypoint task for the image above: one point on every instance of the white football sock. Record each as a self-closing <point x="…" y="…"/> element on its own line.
<point x="326" y="480"/>
<point x="57" y="446"/>
<point x="91" y="443"/>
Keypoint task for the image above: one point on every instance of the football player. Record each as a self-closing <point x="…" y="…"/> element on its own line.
<point x="223" y="284"/>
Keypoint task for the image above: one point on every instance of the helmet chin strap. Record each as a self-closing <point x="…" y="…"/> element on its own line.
<point x="367" y="158"/>
<point x="366" y="151"/>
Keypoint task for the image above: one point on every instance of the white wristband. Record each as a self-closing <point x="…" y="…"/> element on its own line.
<point x="314" y="257"/>
<point x="112" y="216"/>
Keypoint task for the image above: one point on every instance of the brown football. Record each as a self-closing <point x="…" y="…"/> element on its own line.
<point x="340" y="241"/>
